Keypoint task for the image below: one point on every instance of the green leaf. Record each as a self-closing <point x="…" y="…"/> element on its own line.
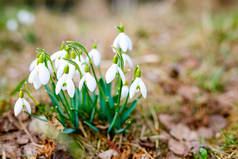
<point x="113" y="122"/>
<point x="68" y="131"/>
<point x="78" y="45"/>
<point x="73" y="63"/>
<point x="203" y="153"/>
<point x="91" y="126"/>
<point x="20" y="84"/>
<point x="126" y="114"/>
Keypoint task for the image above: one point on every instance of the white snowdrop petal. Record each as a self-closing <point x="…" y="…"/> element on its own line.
<point x="142" y="88"/>
<point x="121" y="75"/>
<point x="32" y="75"/>
<point x="124" y="91"/>
<point x="28" y="107"/>
<point x="133" y="89"/>
<point x="90" y="82"/>
<point x="70" y="88"/>
<point x="96" y="55"/>
<point x="111" y="73"/>
<point x="60" y="71"/>
<point x="127" y="59"/>
<point x="123" y="43"/>
<point x="82" y="82"/>
<point x="60" y="84"/>
<point x="44" y="74"/>
<point x="18" y="106"/>
<point x="115" y="43"/>
<point x="33" y="64"/>
<point x="36" y="83"/>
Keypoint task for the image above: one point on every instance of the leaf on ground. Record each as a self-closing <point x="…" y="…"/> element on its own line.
<point x="205" y="132"/>
<point x="182" y="132"/>
<point x="140" y="155"/>
<point x="178" y="147"/>
<point x="109" y="154"/>
<point x="48" y="148"/>
<point x="217" y="122"/>
<point x="22" y="140"/>
<point x="167" y="120"/>
<point x="126" y="152"/>
<point x="171" y="155"/>
<point x="188" y="92"/>
<point x="147" y="143"/>
<point x="30" y="150"/>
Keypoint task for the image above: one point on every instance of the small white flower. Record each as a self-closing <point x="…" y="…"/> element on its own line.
<point x="122" y="41"/>
<point x="136" y="86"/>
<point x="57" y="57"/>
<point x="111" y="73"/>
<point x="21" y="103"/>
<point x="90" y="82"/>
<point x="34" y="64"/>
<point x="127" y="59"/>
<point x="25" y="17"/>
<point x="12" y="25"/>
<point x="40" y="75"/>
<point x="60" y="70"/>
<point x="95" y="55"/>
<point x="65" y="83"/>
<point x="124" y="91"/>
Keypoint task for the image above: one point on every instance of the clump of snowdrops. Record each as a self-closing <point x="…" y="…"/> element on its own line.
<point x="92" y="100"/>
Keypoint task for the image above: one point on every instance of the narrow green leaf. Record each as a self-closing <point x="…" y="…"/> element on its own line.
<point x="91" y="126"/>
<point x="69" y="130"/>
<point x="78" y="45"/>
<point x="113" y="122"/>
<point x="126" y="114"/>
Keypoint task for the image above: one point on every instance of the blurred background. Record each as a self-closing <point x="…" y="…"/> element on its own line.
<point x="164" y="32"/>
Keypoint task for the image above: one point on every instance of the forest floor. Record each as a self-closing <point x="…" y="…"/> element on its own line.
<point x="189" y="63"/>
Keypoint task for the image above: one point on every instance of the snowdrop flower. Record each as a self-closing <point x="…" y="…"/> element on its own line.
<point x="95" y="55"/>
<point x="25" y="17"/>
<point x="65" y="83"/>
<point x="122" y="40"/>
<point x="57" y="57"/>
<point x="111" y="72"/>
<point x="125" y="90"/>
<point x="89" y="80"/>
<point x="12" y="25"/>
<point x="21" y="103"/>
<point x="138" y="85"/>
<point x="127" y="59"/>
<point x="63" y="63"/>
<point x="40" y="75"/>
<point x="34" y="64"/>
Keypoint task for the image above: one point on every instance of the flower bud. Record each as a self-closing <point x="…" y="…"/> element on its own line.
<point x="21" y="94"/>
<point x="67" y="56"/>
<point x="138" y="73"/>
<point x="115" y="59"/>
<point x="95" y="45"/>
<point x="62" y="45"/>
<point x="66" y="69"/>
<point x="86" y="68"/>
<point x="38" y="54"/>
<point x="120" y="28"/>
<point x="73" y="55"/>
<point x="40" y="59"/>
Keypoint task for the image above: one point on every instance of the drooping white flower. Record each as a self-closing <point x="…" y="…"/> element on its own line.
<point x="65" y="83"/>
<point x="40" y="75"/>
<point x="57" y="57"/>
<point x="12" y="25"/>
<point x="124" y="91"/>
<point x="95" y="55"/>
<point x="138" y="85"/>
<point x="60" y="70"/>
<point x="127" y="60"/>
<point x="89" y="80"/>
<point x="21" y="104"/>
<point x="111" y="72"/>
<point x="122" y="41"/>
<point x="25" y="17"/>
<point x="34" y="64"/>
